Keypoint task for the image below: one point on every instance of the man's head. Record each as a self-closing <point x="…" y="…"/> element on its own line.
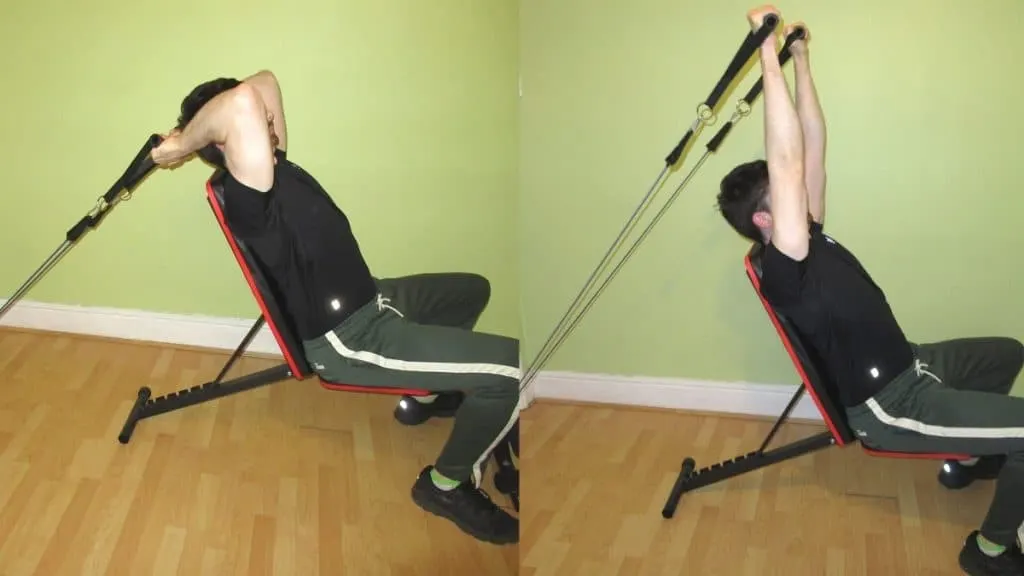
<point x="744" y="200"/>
<point x="191" y="105"/>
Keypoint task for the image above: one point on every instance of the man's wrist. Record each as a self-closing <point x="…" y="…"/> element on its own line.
<point x="188" y="143"/>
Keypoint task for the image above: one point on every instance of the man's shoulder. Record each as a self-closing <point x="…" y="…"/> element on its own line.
<point x="817" y="230"/>
<point x="290" y="174"/>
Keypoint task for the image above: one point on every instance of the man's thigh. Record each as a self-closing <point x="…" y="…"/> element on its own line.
<point x="980" y="364"/>
<point x="402" y="354"/>
<point x="927" y="416"/>
<point x="445" y="299"/>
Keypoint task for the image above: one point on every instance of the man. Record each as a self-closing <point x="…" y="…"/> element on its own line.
<point x="946" y="397"/>
<point x="412" y="332"/>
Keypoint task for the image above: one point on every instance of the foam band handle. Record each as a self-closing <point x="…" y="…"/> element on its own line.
<point x="140" y="167"/>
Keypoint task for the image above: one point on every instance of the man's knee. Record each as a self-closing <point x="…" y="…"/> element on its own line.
<point x="507" y="387"/>
<point x="1018" y="353"/>
<point x="502" y="382"/>
<point x="480" y="287"/>
<point x="498" y="389"/>
<point x="1012" y="354"/>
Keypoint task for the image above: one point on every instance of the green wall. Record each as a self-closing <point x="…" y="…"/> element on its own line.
<point x="924" y="164"/>
<point x="405" y="110"/>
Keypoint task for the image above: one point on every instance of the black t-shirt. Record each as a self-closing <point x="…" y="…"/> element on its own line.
<point x="841" y="313"/>
<point x="304" y="243"/>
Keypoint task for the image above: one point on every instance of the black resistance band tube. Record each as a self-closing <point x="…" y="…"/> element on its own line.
<point x="140" y="167"/>
<point x="705" y="112"/>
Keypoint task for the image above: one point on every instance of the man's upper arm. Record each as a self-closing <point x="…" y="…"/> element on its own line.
<point x="790" y="226"/>
<point x="248" y="152"/>
<point x="269" y="89"/>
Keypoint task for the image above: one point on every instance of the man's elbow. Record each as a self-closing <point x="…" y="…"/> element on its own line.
<point x="268" y="74"/>
<point x="246" y="100"/>
<point x="266" y="78"/>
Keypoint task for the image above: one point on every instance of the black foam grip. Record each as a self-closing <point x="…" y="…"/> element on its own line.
<point x="716" y="141"/>
<point x="676" y="152"/>
<point x="76" y="231"/>
<point x="140" y="167"/>
<point x="796" y="34"/>
<point x="750" y="45"/>
<point x="784" y="56"/>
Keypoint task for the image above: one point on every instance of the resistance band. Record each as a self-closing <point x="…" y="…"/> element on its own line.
<point x="705" y="117"/>
<point x="122" y="189"/>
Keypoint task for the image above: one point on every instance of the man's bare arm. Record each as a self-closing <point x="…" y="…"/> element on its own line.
<point x="209" y="126"/>
<point x="235" y="119"/>
<point x="269" y="90"/>
<point x="812" y="122"/>
<point x="784" y="148"/>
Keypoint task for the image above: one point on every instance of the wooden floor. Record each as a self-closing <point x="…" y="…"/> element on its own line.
<point x="287" y="480"/>
<point x="294" y="480"/>
<point x="594" y="481"/>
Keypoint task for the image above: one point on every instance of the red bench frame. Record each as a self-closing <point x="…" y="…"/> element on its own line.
<point x="271" y="314"/>
<point x="813" y="382"/>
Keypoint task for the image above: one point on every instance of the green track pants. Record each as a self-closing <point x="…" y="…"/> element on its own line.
<point x="955" y="400"/>
<point x="418" y="334"/>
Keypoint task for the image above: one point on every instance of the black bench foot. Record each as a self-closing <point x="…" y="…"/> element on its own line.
<point x="677" y="489"/>
<point x="134" y="415"/>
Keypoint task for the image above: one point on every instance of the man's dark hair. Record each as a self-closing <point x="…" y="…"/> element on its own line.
<point x="196" y="99"/>
<point x="744" y="192"/>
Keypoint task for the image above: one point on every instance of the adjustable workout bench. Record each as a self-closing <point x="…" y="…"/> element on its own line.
<point x="822" y="391"/>
<point x="294" y="366"/>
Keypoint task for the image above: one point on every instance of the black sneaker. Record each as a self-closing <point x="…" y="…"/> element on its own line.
<point x="955" y="476"/>
<point x="469" y="508"/>
<point x="976" y="563"/>
<point x="412" y="412"/>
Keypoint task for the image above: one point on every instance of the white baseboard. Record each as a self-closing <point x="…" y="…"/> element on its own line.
<point x="674" y="394"/>
<point x="225" y="334"/>
<point x="180" y="329"/>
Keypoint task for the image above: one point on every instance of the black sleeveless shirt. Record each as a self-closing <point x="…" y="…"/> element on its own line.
<point x="841" y="313"/>
<point x="305" y="245"/>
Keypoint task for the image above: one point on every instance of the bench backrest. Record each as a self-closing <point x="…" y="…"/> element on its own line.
<point x="808" y="365"/>
<point x="263" y="289"/>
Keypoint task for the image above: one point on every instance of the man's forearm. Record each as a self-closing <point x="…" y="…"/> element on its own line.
<point x="784" y="144"/>
<point x="808" y="107"/>
<point x="210" y="124"/>
<point x="784" y="149"/>
<point x="812" y="121"/>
